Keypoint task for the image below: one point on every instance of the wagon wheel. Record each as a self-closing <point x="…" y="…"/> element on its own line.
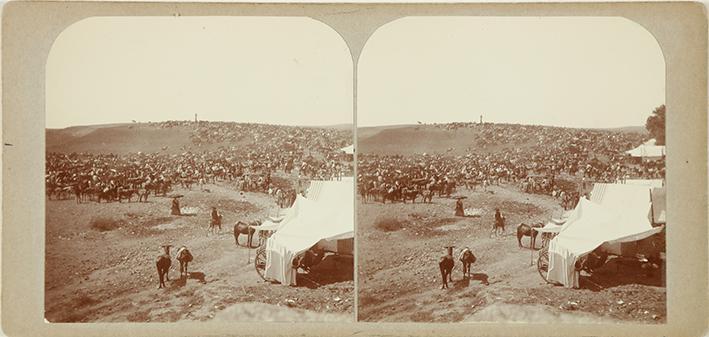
<point x="260" y="263"/>
<point x="543" y="265"/>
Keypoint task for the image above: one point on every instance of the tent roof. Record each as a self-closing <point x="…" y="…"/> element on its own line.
<point x="326" y="214"/>
<point x="647" y="149"/>
<point x="348" y="149"/>
<point x="659" y="205"/>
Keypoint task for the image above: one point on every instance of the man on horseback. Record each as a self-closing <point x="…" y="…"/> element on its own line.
<point x="499" y="222"/>
<point x="216" y="220"/>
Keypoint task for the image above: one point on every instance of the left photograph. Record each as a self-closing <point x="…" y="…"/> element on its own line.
<point x="199" y="169"/>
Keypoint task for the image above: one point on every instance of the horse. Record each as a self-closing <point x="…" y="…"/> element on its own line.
<point x="528" y="230"/>
<point x="143" y="194"/>
<point x="392" y="194"/>
<point x="163" y="263"/>
<point x="446" y="265"/>
<point x="215" y="225"/>
<point x="245" y="228"/>
<point x="185" y="257"/>
<point x="409" y="194"/>
<point x="467" y="258"/>
<point x="427" y="195"/>
<point x="499" y="225"/>
<point x="78" y="192"/>
<point x="108" y="194"/>
<point x="126" y="193"/>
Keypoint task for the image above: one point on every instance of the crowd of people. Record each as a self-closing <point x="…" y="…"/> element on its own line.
<point x="261" y="150"/>
<point x="537" y="158"/>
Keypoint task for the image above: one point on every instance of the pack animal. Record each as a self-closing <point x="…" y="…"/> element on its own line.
<point x="185" y="257"/>
<point x="247" y="229"/>
<point x="528" y="230"/>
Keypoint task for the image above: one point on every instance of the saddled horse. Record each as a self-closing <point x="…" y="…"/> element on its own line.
<point x="247" y="229"/>
<point x="185" y="257"/>
<point x="528" y="230"/>
<point x="467" y="258"/>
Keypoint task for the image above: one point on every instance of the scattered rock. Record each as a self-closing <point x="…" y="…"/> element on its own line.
<point x="569" y="305"/>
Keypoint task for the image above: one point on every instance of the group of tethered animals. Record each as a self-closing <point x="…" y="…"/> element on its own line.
<point x="84" y="191"/>
<point x="403" y="193"/>
<point x="446" y="264"/>
<point x="164" y="261"/>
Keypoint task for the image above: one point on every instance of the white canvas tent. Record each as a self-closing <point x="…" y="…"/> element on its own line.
<point x="327" y="214"/>
<point x="648" y="151"/>
<point x="615" y="214"/>
<point x="348" y="149"/>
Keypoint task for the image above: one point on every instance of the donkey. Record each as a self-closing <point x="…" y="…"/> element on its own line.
<point x="446" y="265"/>
<point x="163" y="263"/>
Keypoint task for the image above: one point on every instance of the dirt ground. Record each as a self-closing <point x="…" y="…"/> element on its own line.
<point x="94" y="275"/>
<point x="399" y="246"/>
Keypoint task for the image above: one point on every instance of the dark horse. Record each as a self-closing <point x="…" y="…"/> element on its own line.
<point x="185" y="257"/>
<point x="467" y="258"/>
<point x="527" y="230"/>
<point x="446" y="265"/>
<point x="163" y="263"/>
<point x="245" y="228"/>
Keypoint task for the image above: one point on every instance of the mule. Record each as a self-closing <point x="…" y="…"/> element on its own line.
<point x="528" y="230"/>
<point x="247" y="229"/>
<point x="163" y="263"/>
<point x="446" y="265"/>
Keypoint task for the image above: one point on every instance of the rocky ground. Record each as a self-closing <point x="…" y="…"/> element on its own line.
<point x="399" y="246"/>
<point x="100" y="264"/>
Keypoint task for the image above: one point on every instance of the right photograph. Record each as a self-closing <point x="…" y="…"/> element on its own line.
<point x="511" y="169"/>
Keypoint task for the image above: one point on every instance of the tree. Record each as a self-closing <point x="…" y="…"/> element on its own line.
<point x="655" y="124"/>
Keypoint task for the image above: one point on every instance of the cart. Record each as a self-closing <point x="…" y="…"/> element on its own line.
<point x="543" y="259"/>
<point x="260" y="259"/>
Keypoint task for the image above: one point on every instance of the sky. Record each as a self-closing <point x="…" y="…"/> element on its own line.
<point x="278" y="70"/>
<point x="590" y="72"/>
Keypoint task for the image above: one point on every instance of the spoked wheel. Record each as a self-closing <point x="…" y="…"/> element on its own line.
<point x="260" y="263"/>
<point x="543" y="265"/>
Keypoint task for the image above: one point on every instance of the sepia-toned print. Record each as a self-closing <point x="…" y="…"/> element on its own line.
<point x="511" y="170"/>
<point x="199" y="169"/>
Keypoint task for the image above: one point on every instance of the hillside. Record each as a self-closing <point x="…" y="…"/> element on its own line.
<point x="136" y="137"/>
<point x="416" y="139"/>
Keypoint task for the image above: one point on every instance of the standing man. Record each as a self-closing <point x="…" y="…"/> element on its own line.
<point x="459" y="207"/>
<point x="499" y="221"/>
<point x="216" y="219"/>
<point x="175" y="207"/>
